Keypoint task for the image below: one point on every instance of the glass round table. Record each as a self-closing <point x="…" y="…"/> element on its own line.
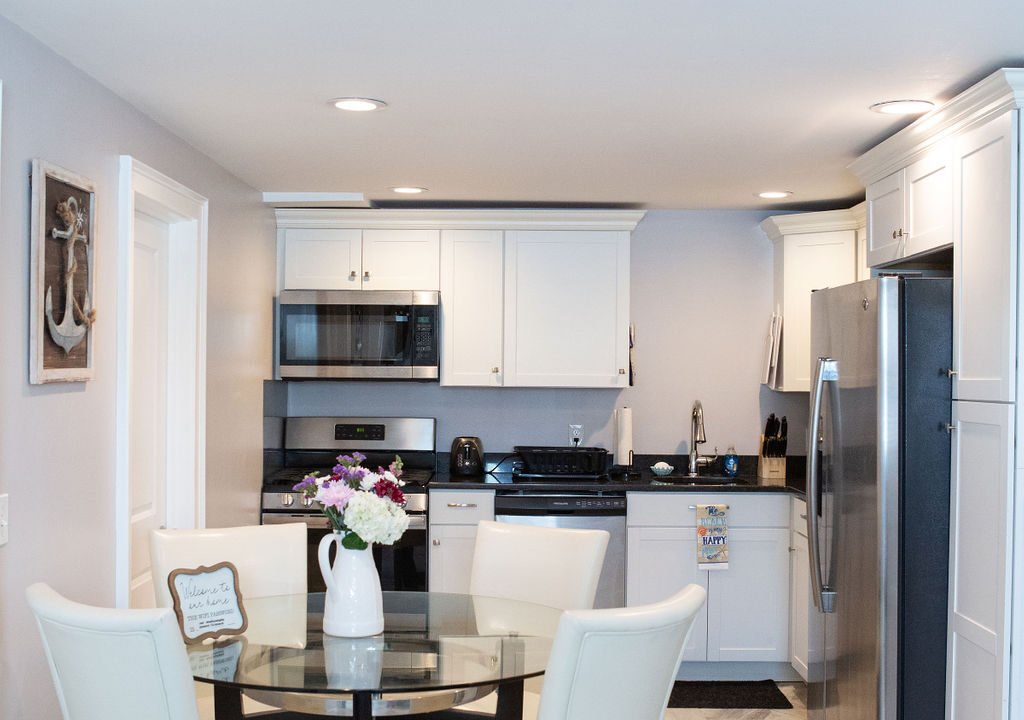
<point x="437" y="651"/>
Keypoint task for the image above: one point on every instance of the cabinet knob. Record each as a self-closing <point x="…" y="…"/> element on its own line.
<point x="622" y="371"/>
<point x="494" y="370"/>
<point x="366" y="275"/>
<point x="950" y="428"/>
<point x="352" y="275"/>
<point x="437" y="542"/>
<point x="951" y="372"/>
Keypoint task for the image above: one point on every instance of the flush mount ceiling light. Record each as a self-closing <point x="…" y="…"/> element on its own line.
<point x="775" y="194"/>
<point x="358" y="104"/>
<point x="409" y="190"/>
<point x="902" y="107"/>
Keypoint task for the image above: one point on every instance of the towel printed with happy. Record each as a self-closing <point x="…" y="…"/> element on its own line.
<point x="712" y="537"/>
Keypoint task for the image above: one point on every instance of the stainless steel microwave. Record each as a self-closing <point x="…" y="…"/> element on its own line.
<point x="358" y="334"/>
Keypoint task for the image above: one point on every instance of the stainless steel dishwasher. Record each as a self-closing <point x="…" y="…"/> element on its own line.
<point x="577" y="510"/>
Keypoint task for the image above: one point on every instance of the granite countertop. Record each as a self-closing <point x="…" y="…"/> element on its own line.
<point x="641" y="479"/>
<point x="646" y="482"/>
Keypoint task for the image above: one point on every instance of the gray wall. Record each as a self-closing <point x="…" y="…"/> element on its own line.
<point x="701" y="296"/>
<point x="57" y="441"/>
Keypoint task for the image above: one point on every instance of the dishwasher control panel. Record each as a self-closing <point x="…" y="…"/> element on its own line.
<point x="552" y="504"/>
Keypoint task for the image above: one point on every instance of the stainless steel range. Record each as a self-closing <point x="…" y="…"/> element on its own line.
<point x="313" y="443"/>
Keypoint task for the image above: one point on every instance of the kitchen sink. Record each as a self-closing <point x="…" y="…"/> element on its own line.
<point x="699" y="481"/>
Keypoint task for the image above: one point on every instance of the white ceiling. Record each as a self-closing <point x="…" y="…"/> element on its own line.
<point x="656" y="103"/>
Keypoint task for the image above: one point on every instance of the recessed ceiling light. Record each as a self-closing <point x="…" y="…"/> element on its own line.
<point x="409" y="190"/>
<point x="774" y="194"/>
<point x="902" y="107"/>
<point x="358" y="104"/>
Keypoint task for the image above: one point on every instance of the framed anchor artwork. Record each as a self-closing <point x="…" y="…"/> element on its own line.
<point x="63" y="275"/>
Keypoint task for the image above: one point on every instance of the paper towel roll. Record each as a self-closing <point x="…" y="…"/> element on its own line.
<point x="624" y="436"/>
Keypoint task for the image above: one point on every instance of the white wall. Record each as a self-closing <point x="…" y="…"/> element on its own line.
<point x="57" y="441"/>
<point x="701" y="287"/>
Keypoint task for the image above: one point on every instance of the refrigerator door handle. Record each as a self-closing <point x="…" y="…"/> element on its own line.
<point x="824" y="597"/>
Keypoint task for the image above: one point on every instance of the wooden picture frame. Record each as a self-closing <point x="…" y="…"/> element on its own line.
<point x="63" y="235"/>
<point x="207" y="602"/>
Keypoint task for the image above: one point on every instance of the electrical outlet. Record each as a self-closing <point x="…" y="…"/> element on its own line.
<point x="3" y="519"/>
<point x="575" y="435"/>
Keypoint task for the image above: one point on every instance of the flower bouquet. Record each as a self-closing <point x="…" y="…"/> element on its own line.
<point x="363" y="506"/>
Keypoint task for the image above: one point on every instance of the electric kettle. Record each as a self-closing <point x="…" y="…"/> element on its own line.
<point x="467" y="456"/>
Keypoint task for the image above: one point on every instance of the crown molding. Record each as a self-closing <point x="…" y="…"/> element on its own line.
<point x="461" y="219"/>
<point x="778" y="226"/>
<point x="1001" y="91"/>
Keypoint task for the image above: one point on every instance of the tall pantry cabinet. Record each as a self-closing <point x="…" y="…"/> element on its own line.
<point x="980" y="132"/>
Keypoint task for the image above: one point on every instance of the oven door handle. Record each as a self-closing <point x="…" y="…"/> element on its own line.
<point x="416" y="522"/>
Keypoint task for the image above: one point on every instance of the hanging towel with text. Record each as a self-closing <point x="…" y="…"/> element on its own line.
<point x="712" y="537"/>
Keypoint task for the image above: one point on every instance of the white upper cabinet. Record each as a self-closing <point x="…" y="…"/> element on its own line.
<point x="567" y="308"/>
<point x="985" y="260"/>
<point x="472" y="272"/>
<point x="811" y="251"/>
<point x="910" y="210"/>
<point x="355" y="250"/>
<point x="400" y="260"/>
<point x="321" y="259"/>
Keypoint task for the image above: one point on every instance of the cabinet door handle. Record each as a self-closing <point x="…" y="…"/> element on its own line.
<point x="352" y="275"/>
<point x="366" y="275"/>
<point x="437" y="542"/>
<point x="494" y="371"/>
<point x="622" y="371"/>
<point x="462" y="505"/>
<point x="694" y="507"/>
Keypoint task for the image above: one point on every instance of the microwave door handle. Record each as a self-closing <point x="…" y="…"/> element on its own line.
<point x="823" y="597"/>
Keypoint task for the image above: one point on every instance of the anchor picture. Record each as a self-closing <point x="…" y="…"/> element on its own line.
<point x="63" y="242"/>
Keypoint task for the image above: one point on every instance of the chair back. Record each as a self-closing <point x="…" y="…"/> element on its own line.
<point x="618" y="663"/>
<point x="114" y="664"/>
<point x="556" y="567"/>
<point x="271" y="559"/>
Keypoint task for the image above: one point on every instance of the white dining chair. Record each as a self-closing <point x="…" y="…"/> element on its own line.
<point x="556" y="567"/>
<point x="114" y="664"/>
<point x="619" y="662"/>
<point x="270" y="560"/>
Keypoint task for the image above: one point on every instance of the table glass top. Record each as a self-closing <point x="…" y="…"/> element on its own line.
<point x="430" y="641"/>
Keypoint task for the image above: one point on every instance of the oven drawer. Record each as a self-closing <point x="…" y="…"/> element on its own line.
<point x="461" y="507"/>
<point x="416" y="522"/>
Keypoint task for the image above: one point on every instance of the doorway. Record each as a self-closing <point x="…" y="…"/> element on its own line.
<point x="160" y="464"/>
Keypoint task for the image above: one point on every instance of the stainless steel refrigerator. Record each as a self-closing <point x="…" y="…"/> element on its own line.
<point x="878" y="499"/>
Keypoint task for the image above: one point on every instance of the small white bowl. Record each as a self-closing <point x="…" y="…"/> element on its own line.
<point x="662" y="468"/>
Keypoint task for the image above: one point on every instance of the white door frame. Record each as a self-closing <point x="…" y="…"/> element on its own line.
<point x="143" y="189"/>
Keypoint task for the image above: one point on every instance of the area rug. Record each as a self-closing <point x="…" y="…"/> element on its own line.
<point x="728" y="694"/>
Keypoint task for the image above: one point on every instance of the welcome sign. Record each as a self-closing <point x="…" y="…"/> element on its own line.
<point x="207" y="601"/>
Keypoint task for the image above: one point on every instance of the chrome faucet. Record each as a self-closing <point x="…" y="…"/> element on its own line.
<point x="697" y="437"/>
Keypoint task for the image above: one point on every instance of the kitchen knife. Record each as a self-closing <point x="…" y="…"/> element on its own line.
<point x="783" y="437"/>
<point x="769" y="430"/>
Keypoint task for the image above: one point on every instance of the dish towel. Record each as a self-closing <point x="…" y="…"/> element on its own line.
<point x="712" y="537"/>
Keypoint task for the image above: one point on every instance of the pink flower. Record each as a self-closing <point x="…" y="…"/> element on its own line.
<point x="336" y="495"/>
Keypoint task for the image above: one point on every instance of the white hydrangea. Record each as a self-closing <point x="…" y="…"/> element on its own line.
<point x="368" y="481"/>
<point x="375" y="519"/>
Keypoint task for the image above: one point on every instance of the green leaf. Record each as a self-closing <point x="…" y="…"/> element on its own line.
<point x="351" y="541"/>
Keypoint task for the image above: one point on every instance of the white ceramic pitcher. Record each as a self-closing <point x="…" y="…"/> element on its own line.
<point x="354" y="606"/>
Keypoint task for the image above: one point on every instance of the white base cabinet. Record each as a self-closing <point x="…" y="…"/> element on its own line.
<point x="746" y="616"/>
<point x="800" y="600"/>
<point x="454" y="515"/>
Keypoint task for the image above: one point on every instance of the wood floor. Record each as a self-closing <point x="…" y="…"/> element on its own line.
<point x="796" y="693"/>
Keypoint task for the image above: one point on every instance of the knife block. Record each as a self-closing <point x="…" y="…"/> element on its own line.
<point x="770" y="470"/>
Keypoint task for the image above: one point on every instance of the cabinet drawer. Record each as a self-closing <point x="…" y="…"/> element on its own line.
<point x="659" y="509"/>
<point x="461" y="507"/>
<point x="798" y="516"/>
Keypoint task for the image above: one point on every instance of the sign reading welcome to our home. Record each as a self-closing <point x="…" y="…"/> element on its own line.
<point x="207" y="601"/>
